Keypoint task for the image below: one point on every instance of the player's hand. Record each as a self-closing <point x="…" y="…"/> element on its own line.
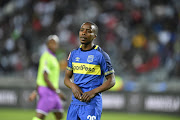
<point x="62" y="96"/>
<point x="86" y="97"/>
<point x="77" y="92"/>
<point x="32" y="96"/>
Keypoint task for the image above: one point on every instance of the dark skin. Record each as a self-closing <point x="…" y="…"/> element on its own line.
<point x="53" y="46"/>
<point x="87" y="34"/>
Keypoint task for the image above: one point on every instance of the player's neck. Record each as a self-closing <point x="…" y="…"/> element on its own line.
<point x="50" y="51"/>
<point x="87" y="47"/>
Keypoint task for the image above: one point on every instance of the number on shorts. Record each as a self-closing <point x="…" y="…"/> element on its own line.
<point x="89" y="117"/>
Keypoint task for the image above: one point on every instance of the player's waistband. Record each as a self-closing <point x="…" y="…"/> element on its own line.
<point x="45" y="91"/>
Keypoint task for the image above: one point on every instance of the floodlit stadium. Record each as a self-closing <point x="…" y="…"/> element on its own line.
<point x="141" y="38"/>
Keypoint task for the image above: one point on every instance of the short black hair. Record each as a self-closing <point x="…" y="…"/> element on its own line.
<point x="96" y="27"/>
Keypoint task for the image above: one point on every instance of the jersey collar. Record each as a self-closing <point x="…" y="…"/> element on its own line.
<point x="94" y="47"/>
<point x="51" y="53"/>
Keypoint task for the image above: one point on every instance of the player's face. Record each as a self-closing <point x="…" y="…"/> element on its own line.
<point x="53" y="45"/>
<point x="86" y="33"/>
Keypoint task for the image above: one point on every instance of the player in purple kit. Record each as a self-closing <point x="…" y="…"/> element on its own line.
<point x="48" y="83"/>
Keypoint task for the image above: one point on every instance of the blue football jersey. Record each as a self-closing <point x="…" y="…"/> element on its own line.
<point x="89" y="68"/>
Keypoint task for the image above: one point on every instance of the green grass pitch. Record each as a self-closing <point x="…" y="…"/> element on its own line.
<point x="20" y="114"/>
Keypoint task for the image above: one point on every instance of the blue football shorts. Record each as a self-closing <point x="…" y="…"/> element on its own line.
<point x="84" y="112"/>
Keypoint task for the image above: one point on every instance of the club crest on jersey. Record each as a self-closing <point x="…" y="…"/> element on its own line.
<point x="90" y="58"/>
<point x="77" y="58"/>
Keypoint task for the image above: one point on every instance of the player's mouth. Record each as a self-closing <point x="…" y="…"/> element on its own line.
<point x="83" y="38"/>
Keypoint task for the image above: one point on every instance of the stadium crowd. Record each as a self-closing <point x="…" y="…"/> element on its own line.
<point x="141" y="36"/>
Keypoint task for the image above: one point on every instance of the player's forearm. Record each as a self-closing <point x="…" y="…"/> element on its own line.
<point x="106" y="85"/>
<point x="68" y="82"/>
<point x="67" y="79"/>
<point x="49" y="84"/>
<point x="37" y="87"/>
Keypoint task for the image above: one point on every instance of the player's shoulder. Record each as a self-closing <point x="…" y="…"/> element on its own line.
<point x="44" y="57"/>
<point x="74" y="51"/>
<point x="98" y="48"/>
<point x="101" y="51"/>
<point x="44" y="54"/>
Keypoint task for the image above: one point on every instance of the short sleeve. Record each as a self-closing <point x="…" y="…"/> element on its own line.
<point x="105" y="64"/>
<point x="46" y="68"/>
<point x="44" y="63"/>
<point x="69" y="61"/>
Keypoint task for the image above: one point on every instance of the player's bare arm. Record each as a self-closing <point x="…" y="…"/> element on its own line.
<point x="110" y="82"/>
<point x="49" y="84"/>
<point x="77" y="92"/>
<point x="33" y="95"/>
<point x="62" y="96"/>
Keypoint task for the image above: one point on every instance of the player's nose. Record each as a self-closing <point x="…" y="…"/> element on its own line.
<point x="83" y="33"/>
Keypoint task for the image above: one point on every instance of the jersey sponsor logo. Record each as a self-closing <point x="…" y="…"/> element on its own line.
<point x="89" y="117"/>
<point x="83" y="68"/>
<point x="77" y="58"/>
<point x="90" y="58"/>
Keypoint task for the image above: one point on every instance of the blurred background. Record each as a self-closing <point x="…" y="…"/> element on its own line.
<point x="141" y="37"/>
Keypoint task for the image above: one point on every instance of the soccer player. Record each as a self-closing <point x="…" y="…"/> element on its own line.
<point x="48" y="83"/>
<point x="89" y="64"/>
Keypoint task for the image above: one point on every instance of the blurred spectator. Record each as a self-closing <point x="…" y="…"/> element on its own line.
<point x="139" y="35"/>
